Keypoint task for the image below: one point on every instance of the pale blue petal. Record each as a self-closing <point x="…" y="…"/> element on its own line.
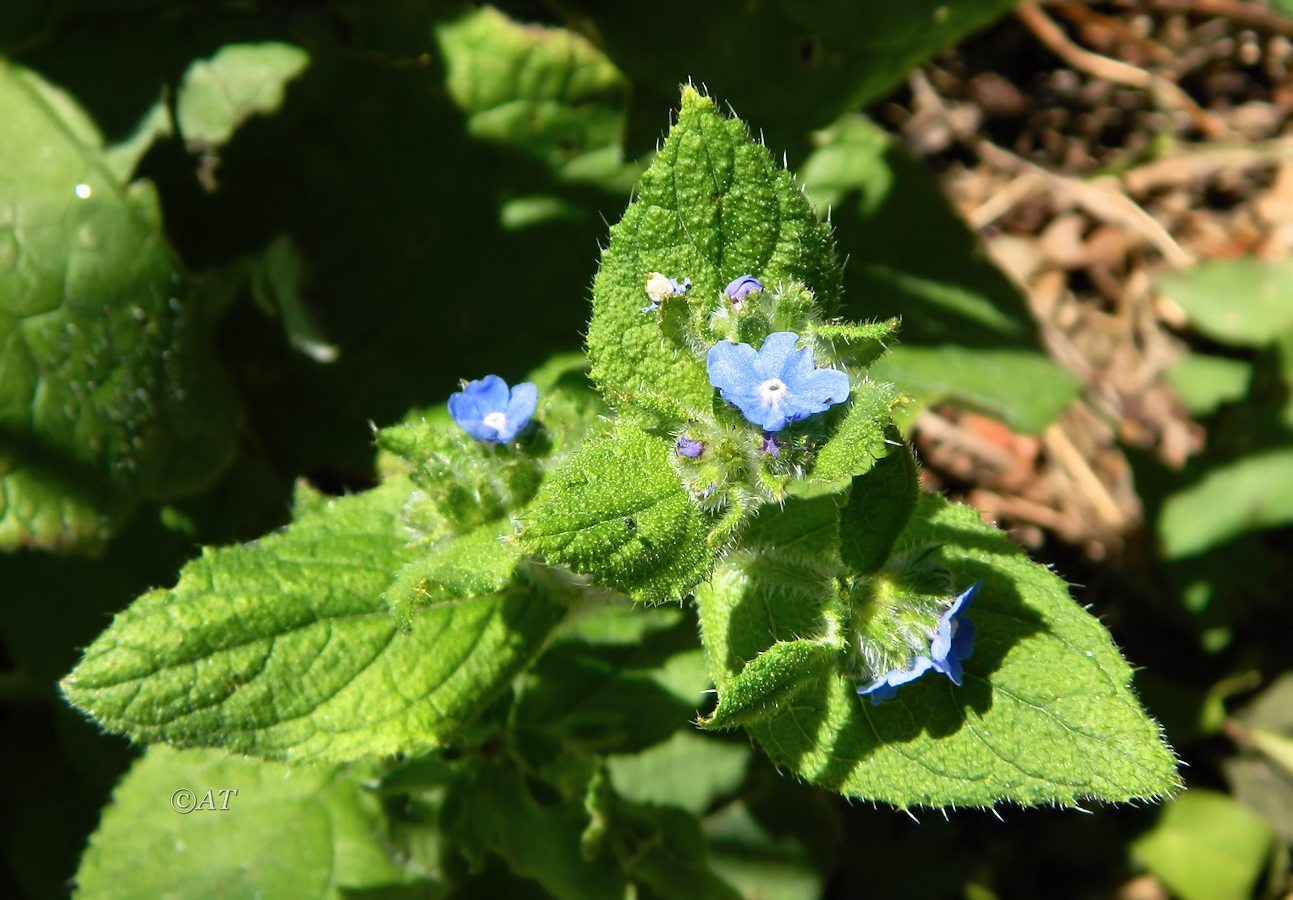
<point x="799" y="365"/>
<point x="962" y="648"/>
<point x="879" y="690"/>
<point x="731" y="368"/>
<point x="884" y="687"/>
<point x="776" y="353"/>
<point x="825" y="387"/>
<point x="953" y="641"/>
<point x="919" y="666"/>
<point x="464" y="408"/>
<point x="769" y="419"/>
<point x="942" y="643"/>
<point x="489" y="392"/>
<point x="525" y="399"/>
<point x="963" y="640"/>
<point x="466" y="412"/>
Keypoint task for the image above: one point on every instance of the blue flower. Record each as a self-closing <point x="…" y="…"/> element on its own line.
<point x="742" y="287"/>
<point x="778" y="384"/>
<point x="660" y="287"/>
<point x="488" y="411"/>
<point x="951" y="642"/>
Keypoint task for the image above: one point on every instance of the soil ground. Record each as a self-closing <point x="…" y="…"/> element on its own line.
<point x="1095" y="146"/>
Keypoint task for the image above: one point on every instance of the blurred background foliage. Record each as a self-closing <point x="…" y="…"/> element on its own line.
<point x="234" y="234"/>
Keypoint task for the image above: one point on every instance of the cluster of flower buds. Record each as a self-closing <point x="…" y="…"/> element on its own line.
<point x="772" y="387"/>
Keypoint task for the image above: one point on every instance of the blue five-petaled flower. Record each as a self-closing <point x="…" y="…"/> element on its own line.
<point x="776" y="385"/>
<point x="488" y="411"/>
<point x="952" y="642"/>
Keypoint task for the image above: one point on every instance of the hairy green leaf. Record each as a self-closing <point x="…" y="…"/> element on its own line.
<point x="545" y="92"/>
<point x="879" y="506"/>
<point x="712" y="207"/>
<point x="476" y="564"/>
<point x="802" y="529"/>
<point x="284" y="648"/>
<point x="238" y="82"/>
<point x="617" y="511"/>
<point x="858" y="441"/>
<point x="772" y="680"/>
<point x="264" y="829"/>
<point x="108" y="388"/>
<point x="1045" y="715"/>
<point x="858" y="344"/>
<point x="462" y="483"/>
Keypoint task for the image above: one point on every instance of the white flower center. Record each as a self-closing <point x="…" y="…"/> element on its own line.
<point x="772" y="392"/>
<point x="495" y="420"/>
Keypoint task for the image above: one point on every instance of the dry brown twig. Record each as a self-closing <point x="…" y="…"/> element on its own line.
<point x="1081" y="14"/>
<point x="932" y="425"/>
<point x="1101" y="198"/>
<point x="1116" y="231"/>
<point x="1020" y="188"/>
<point x="1062" y="450"/>
<point x="1245" y="13"/>
<point x="1167" y="92"/>
<point x="1188" y="163"/>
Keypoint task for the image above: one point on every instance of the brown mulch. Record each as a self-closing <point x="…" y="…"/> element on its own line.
<point x="1094" y="146"/>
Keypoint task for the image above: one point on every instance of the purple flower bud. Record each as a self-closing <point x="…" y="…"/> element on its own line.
<point x="770" y="446"/>
<point x="743" y="287"/>
<point x="689" y="448"/>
